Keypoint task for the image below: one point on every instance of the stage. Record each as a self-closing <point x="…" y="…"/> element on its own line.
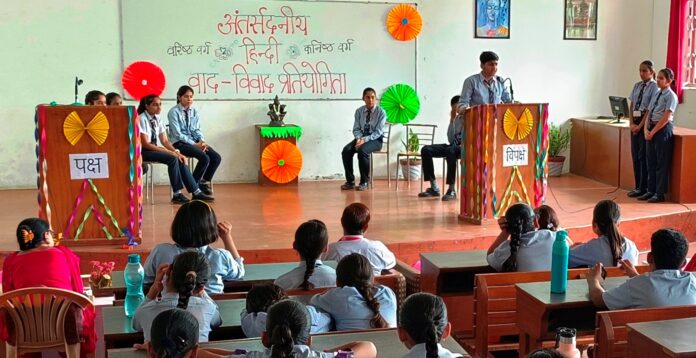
<point x="265" y="218"/>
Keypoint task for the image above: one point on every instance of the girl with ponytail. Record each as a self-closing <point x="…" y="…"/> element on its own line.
<point x="610" y="247"/>
<point x="311" y="240"/>
<point x="174" y="334"/>
<point x="181" y="285"/>
<point x="422" y="325"/>
<point x="527" y="249"/>
<point x="357" y="303"/>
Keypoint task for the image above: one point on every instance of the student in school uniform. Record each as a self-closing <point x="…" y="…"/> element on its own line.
<point x="527" y="249"/>
<point x="368" y="132"/>
<point x="423" y="324"/>
<point x="153" y="130"/>
<point x="610" y="247"/>
<point x="174" y="333"/>
<point x="641" y="95"/>
<point x="665" y="285"/>
<point x="95" y="98"/>
<point x="258" y="300"/>
<point x="114" y="99"/>
<point x="355" y="221"/>
<point x="185" y="129"/>
<point x="484" y="87"/>
<point x="659" y="135"/>
<point x="311" y="240"/>
<point x="357" y="303"/>
<point x="451" y="152"/>
<point x="547" y="218"/>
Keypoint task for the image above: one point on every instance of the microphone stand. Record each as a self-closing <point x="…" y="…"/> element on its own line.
<point x="77" y="83"/>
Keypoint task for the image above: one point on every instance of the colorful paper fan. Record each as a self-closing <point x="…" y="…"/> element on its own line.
<point x="404" y="22"/>
<point x="401" y="103"/>
<point x="97" y="128"/>
<point x="143" y="78"/>
<point x="281" y="161"/>
<point x="520" y="127"/>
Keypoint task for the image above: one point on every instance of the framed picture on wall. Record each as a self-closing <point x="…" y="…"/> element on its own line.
<point x="492" y="19"/>
<point x="580" y="20"/>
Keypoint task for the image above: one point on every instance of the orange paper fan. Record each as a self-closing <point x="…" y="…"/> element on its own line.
<point x="281" y="161"/>
<point x="404" y="22"/>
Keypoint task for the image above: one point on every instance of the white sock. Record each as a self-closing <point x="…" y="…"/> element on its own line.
<point x="198" y="191"/>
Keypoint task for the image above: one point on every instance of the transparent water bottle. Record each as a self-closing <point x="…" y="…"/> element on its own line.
<point x="133" y="276"/>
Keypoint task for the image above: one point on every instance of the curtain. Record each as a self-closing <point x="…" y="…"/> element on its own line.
<point x="676" y="42"/>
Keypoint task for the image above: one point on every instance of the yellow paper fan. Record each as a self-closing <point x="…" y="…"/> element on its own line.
<point x="73" y="128"/>
<point x="522" y="127"/>
<point x="97" y="128"/>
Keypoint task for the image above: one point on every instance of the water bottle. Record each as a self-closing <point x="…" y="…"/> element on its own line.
<point x="565" y="342"/>
<point x="133" y="275"/>
<point x="559" y="263"/>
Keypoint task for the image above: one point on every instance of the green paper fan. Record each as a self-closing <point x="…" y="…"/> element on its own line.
<point x="401" y="103"/>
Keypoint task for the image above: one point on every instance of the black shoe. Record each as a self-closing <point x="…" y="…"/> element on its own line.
<point x="429" y="193"/>
<point x="646" y="196"/>
<point x="635" y="193"/>
<point x="203" y="197"/>
<point x="450" y="195"/>
<point x="180" y="199"/>
<point x="362" y="187"/>
<point x="205" y="188"/>
<point x="656" y="199"/>
<point x="348" y="186"/>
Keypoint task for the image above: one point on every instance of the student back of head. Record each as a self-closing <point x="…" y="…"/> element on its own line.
<point x="355" y="221"/>
<point x="311" y="240"/>
<point x="357" y="303"/>
<point x="527" y="249"/>
<point x="546" y="218"/>
<point x="174" y="334"/>
<point x="423" y="324"/>
<point x="258" y="300"/>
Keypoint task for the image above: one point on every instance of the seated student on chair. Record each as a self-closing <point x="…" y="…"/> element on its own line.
<point x="451" y="152"/>
<point x="484" y="87"/>
<point x="665" y="285"/>
<point x="95" y="98"/>
<point x="114" y="99"/>
<point x="368" y="130"/>
<point x="151" y="127"/>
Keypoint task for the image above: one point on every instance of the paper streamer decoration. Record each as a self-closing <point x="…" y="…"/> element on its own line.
<point x="82" y="223"/>
<point x="143" y="78"/>
<point x="281" y="161"/>
<point x="281" y="132"/>
<point x="97" y="128"/>
<point x="73" y="213"/>
<point x="518" y="127"/>
<point x="505" y="201"/>
<point x="401" y="103"/>
<point x="542" y="146"/>
<point x="404" y="22"/>
<point x="106" y="208"/>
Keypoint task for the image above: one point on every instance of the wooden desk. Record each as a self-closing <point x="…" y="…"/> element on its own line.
<point x="540" y="312"/>
<point x="671" y="338"/>
<point x="451" y="275"/>
<point x="386" y="341"/>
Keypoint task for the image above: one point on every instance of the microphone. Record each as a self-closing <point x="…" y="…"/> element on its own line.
<point x="77" y="83"/>
<point x="512" y="92"/>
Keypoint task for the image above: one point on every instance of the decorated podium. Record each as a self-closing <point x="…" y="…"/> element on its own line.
<point x="504" y="154"/>
<point x="89" y="173"/>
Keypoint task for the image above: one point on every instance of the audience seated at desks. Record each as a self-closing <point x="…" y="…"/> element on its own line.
<point x="311" y="240"/>
<point x="422" y="324"/>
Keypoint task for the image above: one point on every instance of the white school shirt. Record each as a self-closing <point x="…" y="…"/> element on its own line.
<point x="659" y="288"/>
<point x="534" y="253"/>
<point x="349" y="310"/>
<point x="203" y="308"/>
<point x="300" y="351"/>
<point x="223" y="267"/>
<point x="323" y="276"/>
<point x="598" y="250"/>
<point x="418" y="351"/>
<point x="146" y="129"/>
<point x="253" y="323"/>
<point x="376" y="252"/>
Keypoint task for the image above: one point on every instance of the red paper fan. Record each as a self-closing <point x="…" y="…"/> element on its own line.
<point x="143" y="78"/>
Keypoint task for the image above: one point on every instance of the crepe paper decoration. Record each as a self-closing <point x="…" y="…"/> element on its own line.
<point x="73" y="213"/>
<point x="97" y="128"/>
<point x="42" y="163"/>
<point x="82" y="223"/>
<point x="404" y="22"/>
<point x="143" y="78"/>
<point x="541" y="180"/>
<point x="101" y="200"/>
<point x="281" y="161"/>
<point x="131" y="239"/>
<point x="131" y="173"/>
<point x="485" y="164"/>
<point x="401" y="103"/>
<point x="506" y="201"/>
<point x="518" y="127"/>
<point x="138" y="199"/>
<point x="494" y="199"/>
<point x="100" y="220"/>
<point x="281" y="132"/>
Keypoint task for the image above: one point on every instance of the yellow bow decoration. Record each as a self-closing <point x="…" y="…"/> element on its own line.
<point x="27" y="236"/>
<point x="522" y="127"/>
<point x="97" y="128"/>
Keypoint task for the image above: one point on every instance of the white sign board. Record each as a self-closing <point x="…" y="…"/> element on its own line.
<point x="89" y="166"/>
<point x="515" y="155"/>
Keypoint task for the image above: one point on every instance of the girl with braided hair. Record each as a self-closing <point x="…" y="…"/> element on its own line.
<point x="174" y="334"/>
<point x="422" y="325"/>
<point x="185" y="282"/>
<point x="357" y="303"/>
<point x="527" y="249"/>
<point x="258" y="300"/>
<point x="311" y="240"/>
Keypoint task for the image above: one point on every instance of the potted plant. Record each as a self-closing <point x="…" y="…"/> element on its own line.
<point x="559" y="141"/>
<point x="411" y="165"/>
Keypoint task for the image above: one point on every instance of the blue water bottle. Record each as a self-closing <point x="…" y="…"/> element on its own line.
<point x="559" y="263"/>
<point x="133" y="275"/>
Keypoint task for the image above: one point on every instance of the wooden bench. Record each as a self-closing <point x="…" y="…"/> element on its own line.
<point x="411" y="275"/>
<point x="611" y="333"/>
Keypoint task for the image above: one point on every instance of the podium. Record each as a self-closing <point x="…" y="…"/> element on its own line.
<point x="504" y="156"/>
<point x="89" y="173"/>
<point x="279" y="145"/>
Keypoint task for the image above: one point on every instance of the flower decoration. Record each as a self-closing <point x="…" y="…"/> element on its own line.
<point x="281" y="161"/>
<point x="512" y="126"/>
<point x="143" y="78"/>
<point x="401" y="103"/>
<point x="404" y="22"/>
<point x="101" y="273"/>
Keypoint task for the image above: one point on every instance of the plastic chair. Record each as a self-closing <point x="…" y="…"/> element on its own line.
<point x="385" y="141"/>
<point x="426" y="136"/>
<point x="39" y="316"/>
<point x="149" y="181"/>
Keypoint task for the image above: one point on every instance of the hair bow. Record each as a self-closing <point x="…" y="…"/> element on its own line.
<point x="27" y="236"/>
